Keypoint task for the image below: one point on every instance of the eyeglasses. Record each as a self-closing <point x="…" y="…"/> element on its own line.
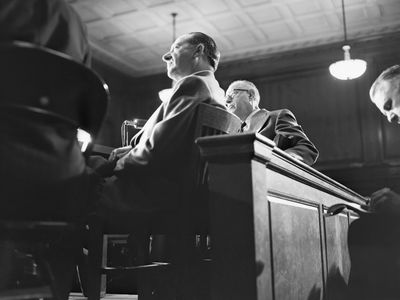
<point x="235" y="92"/>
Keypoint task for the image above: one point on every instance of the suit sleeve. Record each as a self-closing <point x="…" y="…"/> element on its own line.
<point x="293" y="138"/>
<point x="167" y="137"/>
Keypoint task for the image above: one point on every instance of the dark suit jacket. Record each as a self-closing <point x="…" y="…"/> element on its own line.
<point x="281" y="127"/>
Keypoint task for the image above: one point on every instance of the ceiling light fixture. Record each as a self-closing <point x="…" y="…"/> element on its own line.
<point x="348" y="68"/>
<point x="166" y="94"/>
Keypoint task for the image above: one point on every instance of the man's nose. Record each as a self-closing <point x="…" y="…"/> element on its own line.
<point x="167" y="56"/>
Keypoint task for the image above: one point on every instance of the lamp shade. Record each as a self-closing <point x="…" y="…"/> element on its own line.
<point x="348" y="68"/>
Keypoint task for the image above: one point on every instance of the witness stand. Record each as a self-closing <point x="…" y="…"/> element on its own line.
<point x="271" y="236"/>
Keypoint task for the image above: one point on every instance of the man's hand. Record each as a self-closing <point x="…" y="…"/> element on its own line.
<point x="117" y="153"/>
<point x="102" y="166"/>
<point x="385" y="200"/>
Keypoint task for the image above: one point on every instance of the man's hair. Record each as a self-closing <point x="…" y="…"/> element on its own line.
<point x="255" y="94"/>
<point x="387" y="75"/>
<point x="210" y="47"/>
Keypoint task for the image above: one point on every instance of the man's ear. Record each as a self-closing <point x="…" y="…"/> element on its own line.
<point x="252" y="99"/>
<point x="199" y="50"/>
<point x="252" y="95"/>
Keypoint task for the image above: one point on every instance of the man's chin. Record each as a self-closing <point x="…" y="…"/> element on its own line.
<point x="231" y="110"/>
<point x="171" y="74"/>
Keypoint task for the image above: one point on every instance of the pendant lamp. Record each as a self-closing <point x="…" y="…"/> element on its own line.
<point x="166" y="94"/>
<point x="347" y="68"/>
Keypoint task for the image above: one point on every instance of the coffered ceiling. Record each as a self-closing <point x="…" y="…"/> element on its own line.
<point x="132" y="35"/>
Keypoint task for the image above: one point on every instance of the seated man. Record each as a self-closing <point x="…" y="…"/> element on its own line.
<point x="147" y="174"/>
<point x="242" y="99"/>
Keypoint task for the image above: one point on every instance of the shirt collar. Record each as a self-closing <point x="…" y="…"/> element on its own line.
<point x="247" y="121"/>
<point x="195" y="73"/>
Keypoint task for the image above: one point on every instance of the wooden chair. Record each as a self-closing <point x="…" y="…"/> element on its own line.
<point x="44" y="97"/>
<point x="180" y="226"/>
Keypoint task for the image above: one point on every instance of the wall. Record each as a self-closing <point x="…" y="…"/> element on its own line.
<point x="357" y="146"/>
<point x="130" y="98"/>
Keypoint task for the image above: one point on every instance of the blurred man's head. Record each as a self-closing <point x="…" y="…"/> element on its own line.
<point x="385" y="93"/>
<point x="190" y="53"/>
<point x="48" y="23"/>
<point x="242" y="97"/>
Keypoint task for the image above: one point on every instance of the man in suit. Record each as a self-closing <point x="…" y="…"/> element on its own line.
<point x="145" y="176"/>
<point x="242" y="99"/>
<point x="385" y="94"/>
<point x="373" y="239"/>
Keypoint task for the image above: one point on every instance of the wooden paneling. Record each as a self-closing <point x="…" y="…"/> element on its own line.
<point x="326" y="108"/>
<point x="295" y="236"/>
<point x="270" y="237"/>
<point x="365" y="180"/>
<point x="337" y="253"/>
<point x="229" y="216"/>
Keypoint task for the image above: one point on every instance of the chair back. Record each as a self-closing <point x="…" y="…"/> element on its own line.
<point x="210" y="120"/>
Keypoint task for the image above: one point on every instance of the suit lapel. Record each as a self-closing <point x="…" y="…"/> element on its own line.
<point x="258" y="120"/>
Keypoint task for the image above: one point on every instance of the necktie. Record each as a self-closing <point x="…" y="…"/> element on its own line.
<point x="242" y="126"/>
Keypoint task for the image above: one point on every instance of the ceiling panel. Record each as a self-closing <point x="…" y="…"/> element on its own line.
<point x="131" y="35"/>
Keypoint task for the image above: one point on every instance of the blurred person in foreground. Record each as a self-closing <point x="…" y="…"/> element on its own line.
<point x="42" y="172"/>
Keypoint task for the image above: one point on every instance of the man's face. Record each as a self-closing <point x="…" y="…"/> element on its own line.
<point x="179" y="58"/>
<point x="387" y="99"/>
<point x="237" y="100"/>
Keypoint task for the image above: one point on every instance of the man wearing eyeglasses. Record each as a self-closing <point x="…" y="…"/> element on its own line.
<point x="242" y="99"/>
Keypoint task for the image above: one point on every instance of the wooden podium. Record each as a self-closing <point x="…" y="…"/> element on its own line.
<point x="270" y="236"/>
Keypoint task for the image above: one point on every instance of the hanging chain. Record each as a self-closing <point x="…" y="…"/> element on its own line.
<point x="344" y="22"/>
<point x="174" y="14"/>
